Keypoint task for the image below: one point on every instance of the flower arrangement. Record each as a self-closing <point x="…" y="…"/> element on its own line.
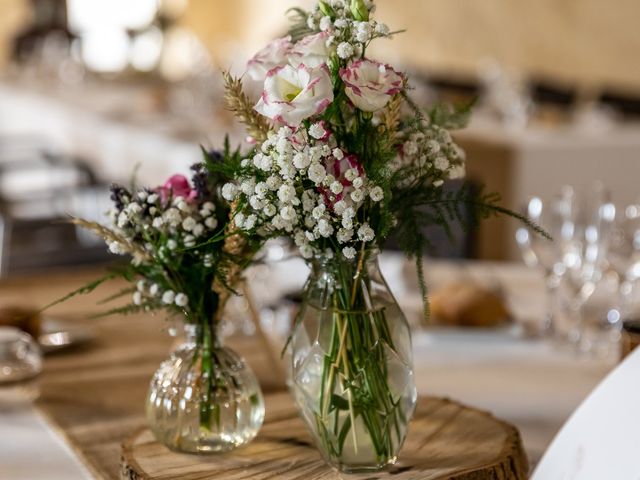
<point x="185" y="259"/>
<point x="342" y="158"/>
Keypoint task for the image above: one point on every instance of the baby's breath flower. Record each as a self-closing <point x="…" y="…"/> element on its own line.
<point x="325" y="23"/>
<point x="269" y="210"/>
<point x="441" y="162"/>
<point x="154" y="289"/>
<point x="229" y="192"/>
<point x="317" y="131"/>
<point x="376" y="194"/>
<point x="365" y="233"/>
<point x="288" y="213"/>
<point x="318" y="211"/>
<point x="358" y="182"/>
<point x="168" y="297"/>
<point x="382" y="29"/>
<point x="211" y="222"/>
<point x="250" y="222"/>
<point x="349" y="253"/>
<point x="181" y="300"/>
<point x="153" y="198"/>
<point x="172" y="244"/>
<point x="357" y="195"/>
<point x="345" y="50"/>
<point x="336" y="187"/>
<point x="137" y="298"/>
<point x="339" y="154"/>
<point x="339" y="207"/>
<point x="198" y="229"/>
<point x="351" y="174"/>
<point x="316" y="173"/>
<point x="344" y="235"/>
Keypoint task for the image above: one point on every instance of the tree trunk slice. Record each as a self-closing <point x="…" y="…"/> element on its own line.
<point x="446" y="440"/>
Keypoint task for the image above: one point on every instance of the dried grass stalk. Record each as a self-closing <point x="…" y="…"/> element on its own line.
<point x="242" y="107"/>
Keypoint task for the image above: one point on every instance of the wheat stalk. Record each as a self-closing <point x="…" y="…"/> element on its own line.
<point x="241" y="106"/>
<point x="391" y="115"/>
<point x="110" y="236"/>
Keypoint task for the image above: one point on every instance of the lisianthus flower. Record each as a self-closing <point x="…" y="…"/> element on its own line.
<point x="274" y="54"/>
<point x="177" y="186"/>
<point x="370" y="85"/>
<point x="293" y="94"/>
<point x="312" y="50"/>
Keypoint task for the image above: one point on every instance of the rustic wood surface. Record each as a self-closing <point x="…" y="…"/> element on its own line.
<point x="446" y="441"/>
<point x="95" y="394"/>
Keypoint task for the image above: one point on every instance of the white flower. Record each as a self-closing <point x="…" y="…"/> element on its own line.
<point x="347" y="222"/>
<point x="188" y="224"/>
<point x="168" y="297"/>
<point x="339" y="207"/>
<point x="250" y="222"/>
<point x="318" y="211"/>
<point x="339" y="154"/>
<point x="142" y="195"/>
<point x="157" y="222"/>
<point x="172" y="244"/>
<point x="239" y="219"/>
<point x="317" y="131"/>
<point x="366" y="233"/>
<point x="336" y="187"/>
<point x="441" y="162"/>
<point x="189" y="241"/>
<point x="172" y="216"/>
<point x="351" y="174"/>
<point x="140" y="285"/>
<point x="438" y="183"/>
<point x="153" y="198"/>
<point x="247" y="187"/>
<point x="349" y="212"/>
<point x="256" y="202"/>
<point x="311" y="51"/>
<point x="341" y="23"/>
<point x="349" y="253"/>
<point x="274" y="54"/>
<point x="410" y="147"/>
<point x="301" y="160"/>
<point x="316" y="173"/>
<point x="344" y="235"/>
<point x="370" y="85"/>
<point x="358" y="182"/>
<point x="286" y="193"/>
<point x="137" y="298"/>
<point x="345" y="50"/>
<point x="183" y="206"/>
<point x="308" y="201"/>
<point x="306" y="251"/>
<point x="208" y="206"/>
<point x="198" y="229"/>
<point x="261" y="189"/>
<point x="363" y="32"/>
<point x="325" y="23"/>
<point x="154" y="289"/>
<point x="292" y="94"/>
<point x="376" y="194"/>
<point x="263" y="162"/>
<point x="433" y="146"/>
<point x="324" y="228"/>
<point x="273" y="182"/>
<point x="269" y="210"/>
<point x="382" y="29"/>
<point x="357" y="196"/>
<point x="181" y="300"/>
<point x="229" y="192"/>
<point x="211" y="223"/>
<point x="288" y="213"/>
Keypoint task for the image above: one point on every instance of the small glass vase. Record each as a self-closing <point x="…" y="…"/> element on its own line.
<point x="204" y="398"/>
<point x="352" y="366"/>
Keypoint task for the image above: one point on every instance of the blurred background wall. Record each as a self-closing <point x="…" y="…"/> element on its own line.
<point x="589" y="42"/>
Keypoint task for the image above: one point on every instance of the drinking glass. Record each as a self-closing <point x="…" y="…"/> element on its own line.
<point x="557" y="217"/>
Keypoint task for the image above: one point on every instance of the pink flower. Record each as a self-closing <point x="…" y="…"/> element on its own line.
<point x="177" y="186"/>
<point x="273" y="55"/>
<point x="370" y="85"/>
<point x="311" y="50"/>
<point x="293" y="94"/>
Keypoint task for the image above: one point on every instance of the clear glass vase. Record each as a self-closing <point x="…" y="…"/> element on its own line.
<point x="204" y="398"/>
<point x="352" y="367"/>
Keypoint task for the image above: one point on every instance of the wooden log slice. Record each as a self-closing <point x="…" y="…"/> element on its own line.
<point x="446" y="440"/>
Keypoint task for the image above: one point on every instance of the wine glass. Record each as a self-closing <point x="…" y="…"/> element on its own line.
<point x="585" y="249"/>
<point x="557" y="218"/>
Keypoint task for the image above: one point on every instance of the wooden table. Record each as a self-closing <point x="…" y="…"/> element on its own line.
<point x="95" y="397"/>
<point x="446" y="441"/>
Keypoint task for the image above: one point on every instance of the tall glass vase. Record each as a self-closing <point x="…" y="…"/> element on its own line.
<point x="352" y="367"/>
<point x="204" y="398"/>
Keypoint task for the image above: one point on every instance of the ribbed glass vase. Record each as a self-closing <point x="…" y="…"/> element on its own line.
<point x="204" y="398"/>
<point x="352" y="367"/>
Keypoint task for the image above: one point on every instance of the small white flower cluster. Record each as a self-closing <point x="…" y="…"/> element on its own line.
<point x="347" y="34"/>
<point x="152" y="292"/>
<point x="435" y="151"/>
<point x="162" y="226"/>
<point x="300" y="184"/>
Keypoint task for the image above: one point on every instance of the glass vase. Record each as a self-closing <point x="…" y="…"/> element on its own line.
<point x="352" y="367"/>
<point x="204" y="398"/>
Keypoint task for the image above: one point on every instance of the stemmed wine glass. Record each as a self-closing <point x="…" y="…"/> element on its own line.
<point x="557" y="217"/>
